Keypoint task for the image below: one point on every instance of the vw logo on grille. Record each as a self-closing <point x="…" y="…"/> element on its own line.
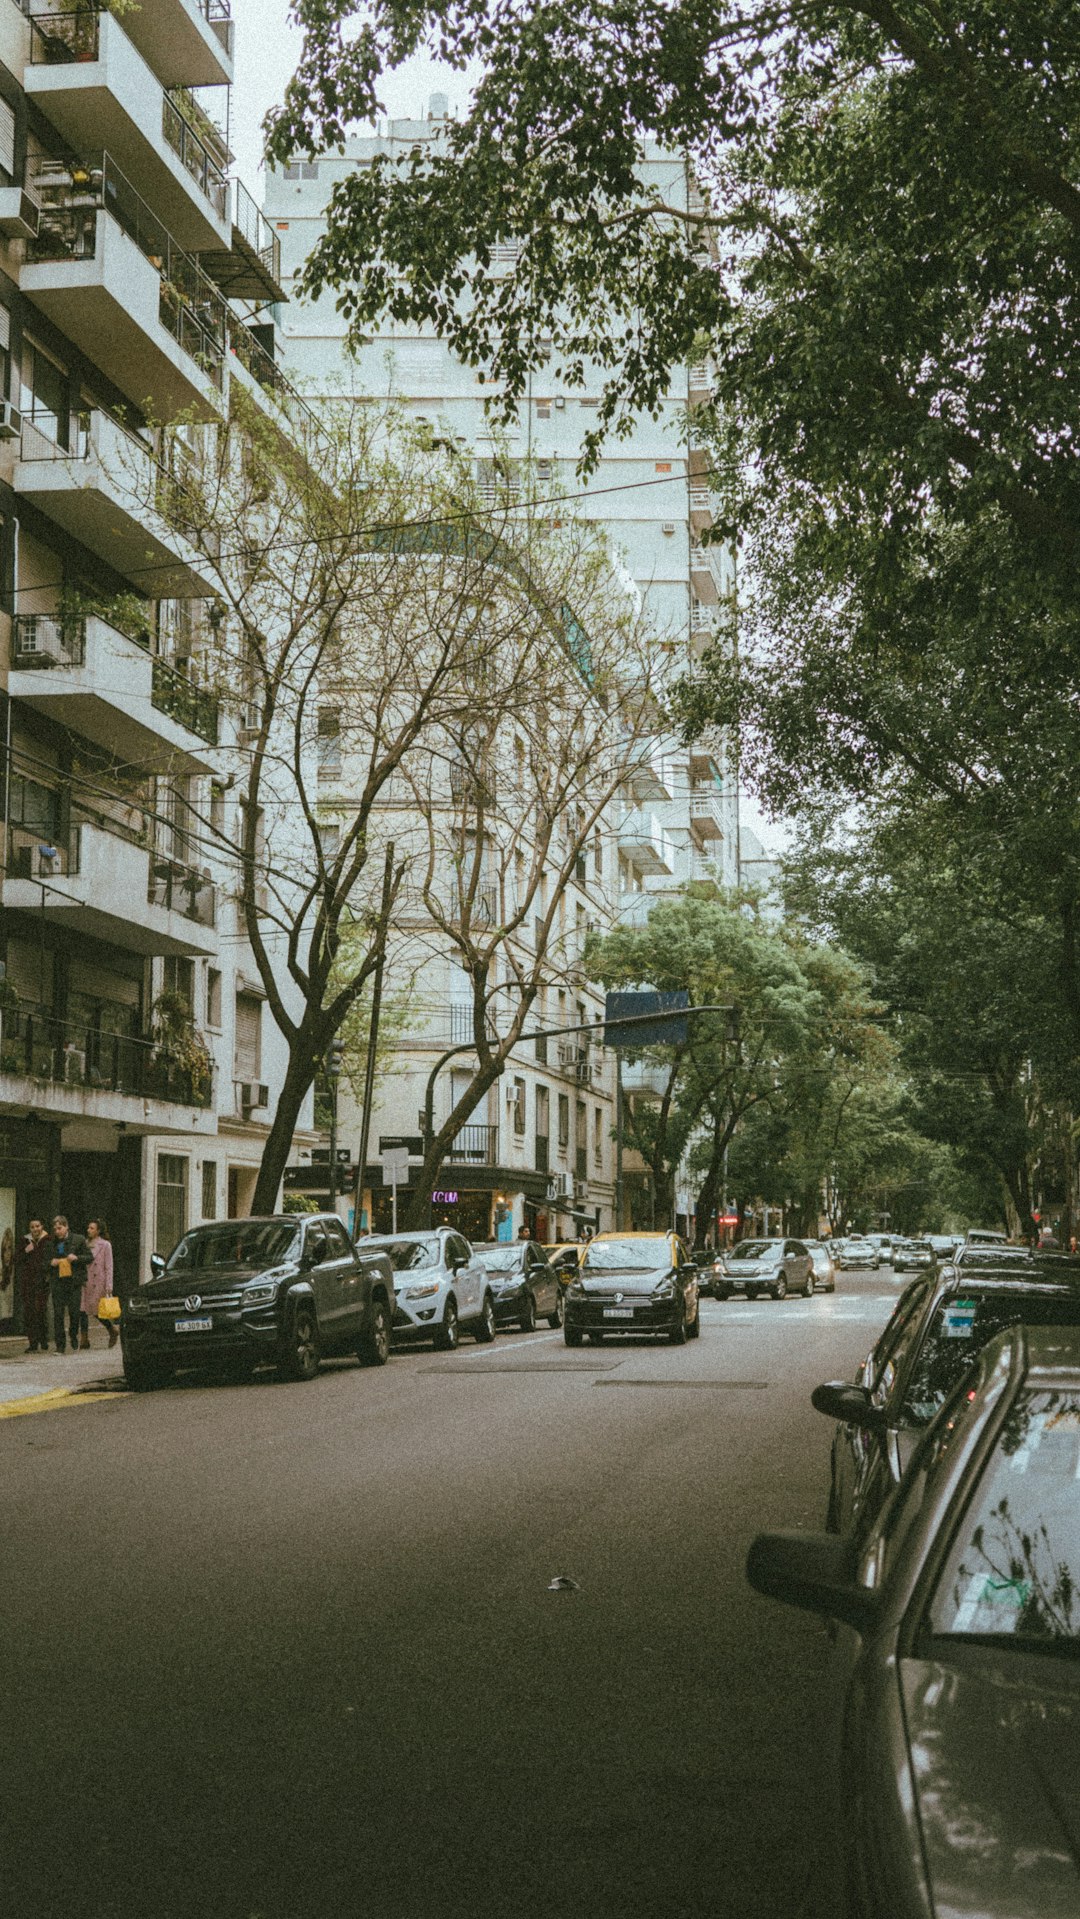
<point x="618" y="1299"/>
<point x="193" y="1302"/>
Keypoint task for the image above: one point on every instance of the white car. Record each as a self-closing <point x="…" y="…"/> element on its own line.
<point x="824" y="1264"/>
<point x="440" y="1288"/>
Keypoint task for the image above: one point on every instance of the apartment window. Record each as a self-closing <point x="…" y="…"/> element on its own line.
<point x="44" y="393"/>
<point x="543" y="409"/>
<point x="663" y="466"/>
<point x="598" y="853"/>
<point x="209" y="1189"/>
<point x="178" y="976"/>
<point x="302" y="170"/>
<point x="247" y="1065"/>
<point x="170" y="1219"/>
<point x="217" y="809"/>
<point x="213" y="997"/>
<point x="598" y="1135"/>
<point x="5" y="351"/>
<point x="7" y="141"/>
<point x="519" y="1107"/>
<point x="330" y="840"/>
<point x="329" y="743"/>
<point x="564" y="1120"/>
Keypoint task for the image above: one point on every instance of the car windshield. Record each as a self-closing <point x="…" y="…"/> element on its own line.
<point x="626" y="1255"/>
<point x="257" y="1243"/>
<point x="407" y="1255"/>
<point x="753" y="1249"/>
<point x="500" y="1259"/>
<point x="959" y="1330"/>
<point x="1013" y="1574"/>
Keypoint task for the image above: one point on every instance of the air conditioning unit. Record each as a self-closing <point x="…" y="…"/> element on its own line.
<point x="253" y="1095"/>
<point x="10" y="421"/>
<point x="566" y="1052"/>
<point x="668" y="527"/>
<point x="20" y="214"/>
<point x="558" y="1186"/>
<point x="581" y="1189"/>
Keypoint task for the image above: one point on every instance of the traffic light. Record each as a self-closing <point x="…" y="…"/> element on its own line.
<point x="333" y="1059"/>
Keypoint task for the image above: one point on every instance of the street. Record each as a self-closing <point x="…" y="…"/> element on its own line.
<point x="281" y="1651"/>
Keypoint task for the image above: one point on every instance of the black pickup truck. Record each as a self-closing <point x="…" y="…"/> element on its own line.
<point x="241" y="1293"/>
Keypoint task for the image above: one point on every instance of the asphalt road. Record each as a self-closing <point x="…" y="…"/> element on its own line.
<point x="288" y="1652"/>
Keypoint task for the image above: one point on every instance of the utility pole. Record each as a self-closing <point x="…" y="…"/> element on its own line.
<point x="373" y="1039"/>
<point x="333" y="1074"/>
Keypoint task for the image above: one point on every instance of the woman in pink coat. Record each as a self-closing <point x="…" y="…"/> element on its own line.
<point x="99" y="1281"/>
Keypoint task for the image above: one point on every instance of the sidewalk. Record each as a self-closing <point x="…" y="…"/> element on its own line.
<point x="39" y="1382"/>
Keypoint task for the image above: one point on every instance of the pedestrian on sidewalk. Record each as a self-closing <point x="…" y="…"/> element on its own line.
<point x="99" y="1281"/>
<point x="70" y="1259"/>
<point x="33" y="1270"/>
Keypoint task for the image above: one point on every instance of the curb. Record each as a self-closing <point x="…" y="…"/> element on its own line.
<point x="52" y="1401"/>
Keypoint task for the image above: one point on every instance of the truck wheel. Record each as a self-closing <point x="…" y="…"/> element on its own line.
<point x="374" y="1345"/>
<point x="299" y="1357"/>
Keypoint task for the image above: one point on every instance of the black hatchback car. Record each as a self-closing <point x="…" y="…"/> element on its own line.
<point x="933" y="1337"/>
<point x="633" y="1283"/>
<point x="524" y="1283"/>
<point x="244" y="1292"/>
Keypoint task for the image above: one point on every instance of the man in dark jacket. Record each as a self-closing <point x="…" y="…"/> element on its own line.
<point x="32" y="1266"/>
<point x="71" y="1255"/>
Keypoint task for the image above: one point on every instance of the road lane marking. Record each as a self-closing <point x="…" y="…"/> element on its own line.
<point x="694" y="1385"/>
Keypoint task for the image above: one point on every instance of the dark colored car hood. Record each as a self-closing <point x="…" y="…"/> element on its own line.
<point x="995" y="1753"/>
<point x="213" y="1279"/>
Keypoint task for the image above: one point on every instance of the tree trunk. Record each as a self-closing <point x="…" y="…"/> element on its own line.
<point x="298" y="1078"/>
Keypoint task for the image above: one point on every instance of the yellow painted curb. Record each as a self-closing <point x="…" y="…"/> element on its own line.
<point x="51" y="1402"/>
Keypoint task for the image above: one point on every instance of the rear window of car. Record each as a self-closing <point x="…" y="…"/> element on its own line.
<point x="959" y="1329"/>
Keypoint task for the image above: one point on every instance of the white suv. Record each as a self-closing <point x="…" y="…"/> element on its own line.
<point x="440" y="1287"/>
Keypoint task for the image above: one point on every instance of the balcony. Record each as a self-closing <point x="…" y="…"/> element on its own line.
<point x="100" y="683"/>
<point x="249" y="266"/>
<point x="649" y="776"/>
<point x="98" y="91"/>
<point x="634" y="908"/>
<point x="102" y="885"/>
<point x="700" y="384"/>
<point x="260" y="373"/>
<point x="475" y="1146"/>
<point x="108" y="273"/>
<point x="701" y="512"/>
<point x="642" y="840"/>
<point x="186" y="42"/>
<point x="705" y="573"/>
<point x="706" y="817"/>
<point x="91" y="1073"/>
<point x="461" y="1026"/>
<point x="104" y="491"/>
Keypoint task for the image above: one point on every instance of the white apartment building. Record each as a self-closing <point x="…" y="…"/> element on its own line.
<point x="138" y="1064"/>
<point x="678" y="819"/>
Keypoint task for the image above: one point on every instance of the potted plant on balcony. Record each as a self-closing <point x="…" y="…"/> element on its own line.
<point x="178" y="1047"/>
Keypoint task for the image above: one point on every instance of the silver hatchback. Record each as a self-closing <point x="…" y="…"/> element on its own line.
<point x="440" y="1288"/>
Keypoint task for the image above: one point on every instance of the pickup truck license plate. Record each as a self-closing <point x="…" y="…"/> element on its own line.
<point x="195" y="1325"/>
<point x="618" y="1312"/>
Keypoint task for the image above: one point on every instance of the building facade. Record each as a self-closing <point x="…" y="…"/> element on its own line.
<point x="137" y="1062"/>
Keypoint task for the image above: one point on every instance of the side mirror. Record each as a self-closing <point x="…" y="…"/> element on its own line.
<point x="815" y="1571"/>
<point x="839" y="1399"/>
<point x="157" y="1265"/>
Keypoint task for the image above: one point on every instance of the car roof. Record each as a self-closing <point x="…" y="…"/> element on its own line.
<point x="423" y="1232"/>
<point x="652" y="1232"/>
<point x="1028" y="1279"/>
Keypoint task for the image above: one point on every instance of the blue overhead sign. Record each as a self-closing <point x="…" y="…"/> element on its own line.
<point x="659" y="1019"/>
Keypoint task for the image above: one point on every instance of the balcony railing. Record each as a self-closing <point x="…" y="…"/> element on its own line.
<point x="461" y="1026"/>
<point x="38" y="1045"/>
<point x="254" y="227"/>
<point x="47" y="640"/>
<point x="73" y="193"/>
<point x="475" y="1146"/>
<point x="189" y="705"/>
<point x="34" y="854"/>
<point x="193" y="153"/>
<point x="181" y="889"/>
<point x="57" y="39"/>
<point x="263" y="367"/>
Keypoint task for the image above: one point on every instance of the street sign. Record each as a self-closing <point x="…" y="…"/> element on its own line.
<point x="395" y="1166"/>
<point x="655" y="1017"/>
<point x="412" y="1143"/>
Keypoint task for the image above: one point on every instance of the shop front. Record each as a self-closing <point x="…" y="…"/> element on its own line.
<point x="29" y="1189"/>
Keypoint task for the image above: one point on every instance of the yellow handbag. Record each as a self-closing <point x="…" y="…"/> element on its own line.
<point x="108" y="1306"/>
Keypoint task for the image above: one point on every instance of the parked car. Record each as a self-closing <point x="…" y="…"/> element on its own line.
<point x="944" y="1245"/>
<point x="985" y="1236"/>
<point x="245" y="1292"/>
<point x="946" y="1778"/>
<point x="856" y="1251"/>
<point x="565" y="1255"/>
<point x="824" y="1264"/>
<point x="440" y="1288"/>
<point x="940" y="1325"/>
<point x="524" y="1283"/>
<point x="913" y="1256"/>
<point x="633" y="1283"/>
<point x="773" y="1266"/>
